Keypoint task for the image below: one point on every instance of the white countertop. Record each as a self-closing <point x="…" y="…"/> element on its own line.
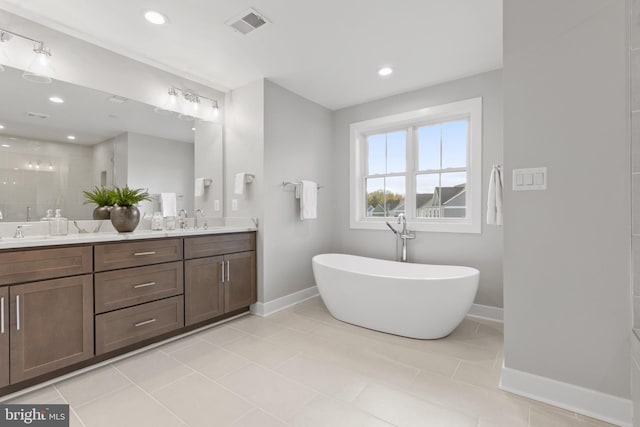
<point x="77" y="238"/>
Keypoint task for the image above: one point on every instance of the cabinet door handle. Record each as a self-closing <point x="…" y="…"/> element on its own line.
<point x="146" y="322"/>
<point x="228" y="272"/>
<point x="222" y="272"/>
<point x="18" y="312"/>
<point x="2" y="315"/>
<point x="144" y="253"/>
<point x="144" y="285"/>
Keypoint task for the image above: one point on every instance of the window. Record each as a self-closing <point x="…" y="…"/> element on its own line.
<point x="425" y="164"/>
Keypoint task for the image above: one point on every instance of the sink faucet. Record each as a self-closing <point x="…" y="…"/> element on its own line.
<point x="199" y="213"/>
<point x="183" y="218"/>
<point x="19" y="231"/>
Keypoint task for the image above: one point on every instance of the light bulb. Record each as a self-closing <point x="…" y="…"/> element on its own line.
<point x="40" y="70"/>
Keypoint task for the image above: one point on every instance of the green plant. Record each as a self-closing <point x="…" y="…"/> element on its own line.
<point x="126" y="196"/>
<point x="100" y="196"/>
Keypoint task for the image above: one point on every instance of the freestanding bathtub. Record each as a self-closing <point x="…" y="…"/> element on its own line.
<point x="413" y="300"/>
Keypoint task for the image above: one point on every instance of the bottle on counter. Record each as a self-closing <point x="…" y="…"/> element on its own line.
<point x="156" y="221"/>
<point x="59" y="226"/>
<point x="49" y="216"/>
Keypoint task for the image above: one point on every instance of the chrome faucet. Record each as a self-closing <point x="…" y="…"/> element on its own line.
<point x="403" y="235"/>
<point x="19" y="231"/>
<point x="182" y="215"/>
<point x="199" y="213"/>
<point x="28" y="213"/>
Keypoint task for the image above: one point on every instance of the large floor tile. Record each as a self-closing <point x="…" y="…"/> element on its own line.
<point x="297" y="322"/>
<point x="325" y="412"/>
<point x="198" y="401"/>
<point x="180" y="343"/>
<point x="92" y="385"/>
<point x="403" y="410"/>
<point x="479" y="375"/>
<point x="268" y="390"/>
<point x="261" y="351"/>
<point x="46" y="395"/>
<point x="327" y="377"/>
<point x="258" y="418"/>
<point x="551" y="417"/>
<point x="128" y="407"/>
<point x="257" y="326"/>
<point x="221" y="335"/>
<point x="152" y="369"/>
<point x="210" y="360"/>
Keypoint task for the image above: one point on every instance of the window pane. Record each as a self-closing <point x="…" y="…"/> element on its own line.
<point x="427" y="200"/>
<point x="453" y="194"/>
<point x="429" y="147"/>
<point x="395" y="194"/>
<point x="375" y="197"/>
<point x="454" y="144"/>
<point x="377" y="154"/>
<point x="397" y="151"/>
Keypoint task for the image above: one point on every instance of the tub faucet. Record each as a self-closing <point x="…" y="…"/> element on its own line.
<point x="404" y="235"/>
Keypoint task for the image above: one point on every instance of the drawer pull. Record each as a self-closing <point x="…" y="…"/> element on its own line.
<point x="2" y="315"/>
<point x="146" y="322"/>
<point x="144" y="285"/>
<point x="222" y="272"/>
<point x="144" y="253"/>
<point x="228" y="272"/>
<point x="18" y="312"/>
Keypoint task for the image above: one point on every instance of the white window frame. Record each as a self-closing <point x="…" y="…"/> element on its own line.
<point x="472" y="223"/>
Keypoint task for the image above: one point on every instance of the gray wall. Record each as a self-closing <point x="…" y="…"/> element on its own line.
<point x="483" y="251"/>
<point x="297" y="135"/>
<point x="567" y="249"/>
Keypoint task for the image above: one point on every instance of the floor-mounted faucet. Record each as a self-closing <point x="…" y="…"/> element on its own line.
<point x="403" y="235"/>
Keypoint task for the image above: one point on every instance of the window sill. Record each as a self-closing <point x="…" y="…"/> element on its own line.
<point x="432" y="226"/>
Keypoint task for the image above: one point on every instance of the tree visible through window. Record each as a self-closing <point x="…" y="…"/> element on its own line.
<point x="386" y="173"/>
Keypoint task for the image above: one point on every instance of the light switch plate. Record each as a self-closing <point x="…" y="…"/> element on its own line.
<point x="234" y="205"/>
<point x="216" y="205"/>
<point x="529" y="179"/>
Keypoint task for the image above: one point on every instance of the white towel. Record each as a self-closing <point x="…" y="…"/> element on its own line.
<point x="238" y="188"/>
<point x="307" y="192"/>
<point x="494" y="202"/>
<point x="199" y="187"/>
<point x="168" y="203"/>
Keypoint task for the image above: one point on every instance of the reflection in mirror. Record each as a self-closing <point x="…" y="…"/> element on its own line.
<point x="60" y="139"/>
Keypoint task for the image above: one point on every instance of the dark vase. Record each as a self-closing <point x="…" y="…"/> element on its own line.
<point x="125" y="219"/>
<point x="102" y="212"/>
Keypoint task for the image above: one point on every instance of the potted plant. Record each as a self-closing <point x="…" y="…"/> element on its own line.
<point x="125" y="216"/>
<point x="103" y="197"/>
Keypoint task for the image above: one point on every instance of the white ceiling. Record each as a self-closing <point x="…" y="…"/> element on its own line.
<point x="327" y="51"/>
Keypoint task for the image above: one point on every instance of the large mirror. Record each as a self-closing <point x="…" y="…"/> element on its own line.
<point x="59" y="139"/>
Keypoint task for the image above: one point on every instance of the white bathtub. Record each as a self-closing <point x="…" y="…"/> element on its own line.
<point x="412" y="300"/>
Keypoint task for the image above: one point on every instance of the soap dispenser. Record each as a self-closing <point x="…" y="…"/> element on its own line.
<point x="49" y="216"/>
<point x="59" y="226"/>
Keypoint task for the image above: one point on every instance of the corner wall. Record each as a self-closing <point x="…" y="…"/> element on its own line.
<point x="483" y="251"/>
<point x="567" y="249"/>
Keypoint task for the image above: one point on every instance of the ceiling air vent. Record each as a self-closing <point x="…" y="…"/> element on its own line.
<point x="36" y="115"/>
<point x="247" y="21"/>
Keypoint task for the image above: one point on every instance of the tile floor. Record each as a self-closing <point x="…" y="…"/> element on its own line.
<point x="301" y="367"/>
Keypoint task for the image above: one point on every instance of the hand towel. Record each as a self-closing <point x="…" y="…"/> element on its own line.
<point x="307" y="192"/>
<point x="168" y="203"/>
<point x="238" y="188"/>
<point x="199" y="187"/>
<point x="494" y="202"/>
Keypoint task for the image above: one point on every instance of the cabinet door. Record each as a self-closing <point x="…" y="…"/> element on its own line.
<point x="51" y="325"/>
<point x="203" y="290"/>
<point x="4" y="336"/>
<point x="240" y="283"/>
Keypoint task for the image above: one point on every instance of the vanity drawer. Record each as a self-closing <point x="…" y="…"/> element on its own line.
<point x="132" y="286"/>
<point x="41" y="264"/>
<point x="131" y="325"/>
<point x="220" y="244"/>
<point x="110" y="256"/>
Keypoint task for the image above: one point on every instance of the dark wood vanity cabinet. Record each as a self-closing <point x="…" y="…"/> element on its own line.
<point x="4" y="336"/>
<point x="219" y="284"/>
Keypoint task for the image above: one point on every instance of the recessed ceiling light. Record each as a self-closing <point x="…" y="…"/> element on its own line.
<point x="71" y="137"/>
<point x="193" y="129"/>
<point x="1" y="126"/>
<point x="385" y="71"/>
<point x="56" y="100"/>
<point x="6" y="146"/>
<point x="154" y="17"/>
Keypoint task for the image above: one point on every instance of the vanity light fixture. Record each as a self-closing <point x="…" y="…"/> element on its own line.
<point x="40" y="69"/>
<point x="1" y="126"/>
<point x="155" y="17"/>
<point x="38" y="165"/>
<point x="385" y="71"/>
<point x="30" y="165"/>
<point x="4" y="56"/>
<point x="71" y="137"/>
<point x="5" y="146"/>
<point x="50" y="166"/>
<point x="56" y="100"/>
<point x="189" y="103"/>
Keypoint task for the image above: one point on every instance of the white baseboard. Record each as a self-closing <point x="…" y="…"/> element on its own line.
<point x="486" y="312"/>
<point x="270" y="307"/>
<point x="591" y="403"/>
